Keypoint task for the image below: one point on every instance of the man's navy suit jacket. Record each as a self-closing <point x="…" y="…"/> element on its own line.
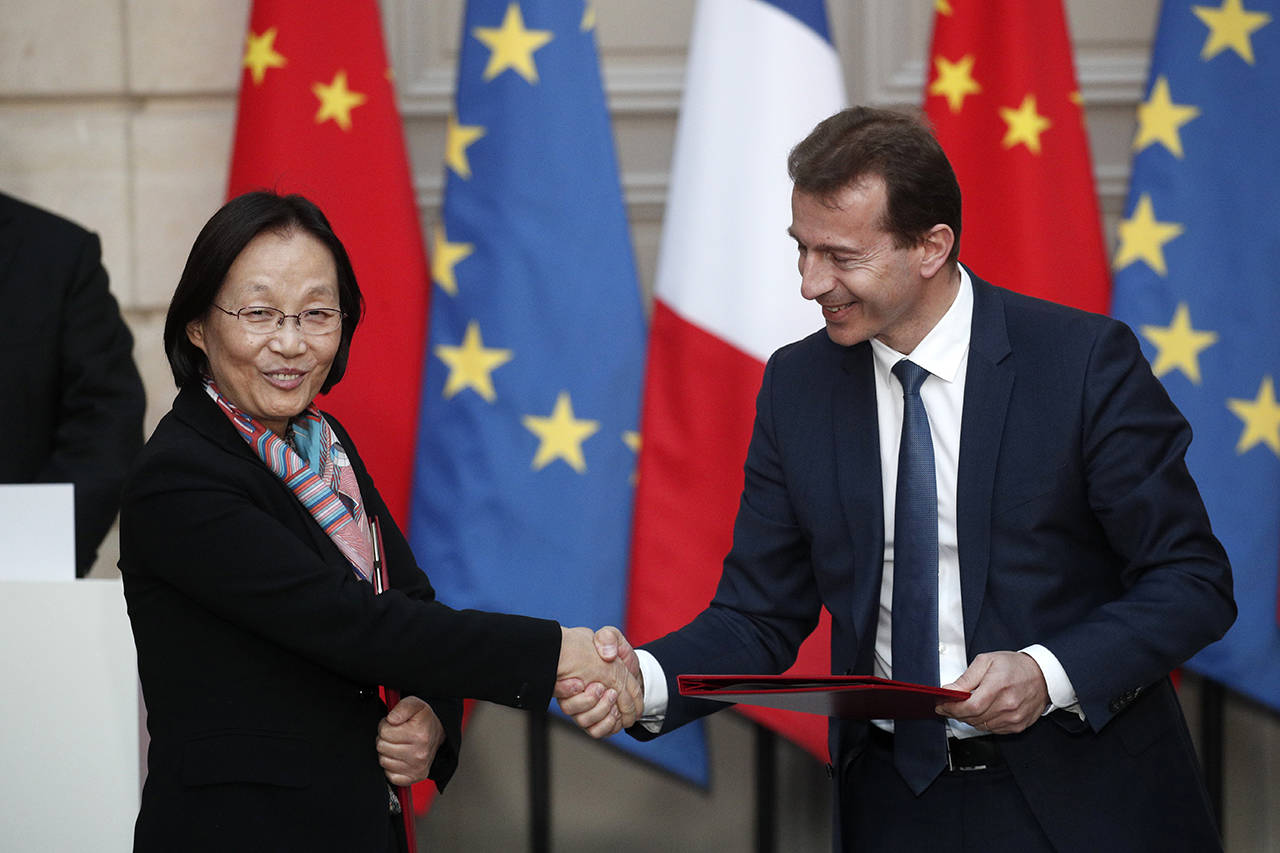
<point x="1079" y="528"/>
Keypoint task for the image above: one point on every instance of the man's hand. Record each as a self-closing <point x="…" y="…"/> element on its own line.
<point x="408" y="738"/>
<point x="599" y="685"/>
<point x="1008" y="693"/>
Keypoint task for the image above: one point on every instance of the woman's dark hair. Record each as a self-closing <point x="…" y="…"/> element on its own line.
<point x="920" y="184"/>
<point x="217" y="246"/>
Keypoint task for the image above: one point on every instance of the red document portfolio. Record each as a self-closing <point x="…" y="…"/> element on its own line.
<point x="855" y="697"/>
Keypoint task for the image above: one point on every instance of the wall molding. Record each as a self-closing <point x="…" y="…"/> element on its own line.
<point x="649" y="85"/>
<point x="1107" y="76"/>
<point x="645" y="193"/>
<point x="631" y="90"/>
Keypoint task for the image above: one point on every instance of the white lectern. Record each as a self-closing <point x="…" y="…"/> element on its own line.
<point x="70" y="710"/>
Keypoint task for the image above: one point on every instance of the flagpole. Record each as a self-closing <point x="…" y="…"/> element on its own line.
<point x="539" y="782"/>
<point x="766" y="789"/>
<point x="1212" y="702"/>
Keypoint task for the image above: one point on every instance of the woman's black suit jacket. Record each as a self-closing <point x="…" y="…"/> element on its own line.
<point x="259" y="651"/>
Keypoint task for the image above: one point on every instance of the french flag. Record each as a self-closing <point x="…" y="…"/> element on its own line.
<point x="727" y="294"/>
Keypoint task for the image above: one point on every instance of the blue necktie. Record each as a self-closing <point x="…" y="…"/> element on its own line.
<point x="920" y="747"/>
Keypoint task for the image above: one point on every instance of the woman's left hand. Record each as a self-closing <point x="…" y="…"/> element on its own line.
<point x="408" y="738"/>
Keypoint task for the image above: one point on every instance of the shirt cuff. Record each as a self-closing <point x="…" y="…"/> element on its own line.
<point x="655" y="691"/>
<point x="1061" y="694"/>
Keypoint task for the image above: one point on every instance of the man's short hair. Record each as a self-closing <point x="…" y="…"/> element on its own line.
<point x="860" y="142"/>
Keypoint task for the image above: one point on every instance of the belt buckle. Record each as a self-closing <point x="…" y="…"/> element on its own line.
<point x="963" y="768"/>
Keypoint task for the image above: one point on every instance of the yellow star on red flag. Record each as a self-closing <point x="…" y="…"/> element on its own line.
<point x="260" y="54"/>
<point x="954" y="80"/>
<point x="337" y="101"/>
<point x="1024" y="125"/>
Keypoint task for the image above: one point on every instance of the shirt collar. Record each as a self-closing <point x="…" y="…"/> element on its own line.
<point x="943" y="349"/>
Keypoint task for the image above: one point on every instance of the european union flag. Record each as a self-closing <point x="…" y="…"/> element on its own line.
<point x="531" y="400"/>
<point x="1197" y="275"/>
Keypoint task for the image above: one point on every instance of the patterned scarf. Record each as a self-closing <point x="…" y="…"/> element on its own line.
<point x="317" y="471"/>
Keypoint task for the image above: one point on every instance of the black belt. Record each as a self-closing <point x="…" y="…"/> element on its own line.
<point x="963" y="754"/>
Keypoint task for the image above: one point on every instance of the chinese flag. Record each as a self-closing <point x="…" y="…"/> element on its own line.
<point x="318" y="117"/>
<point x="1003" y="100"/>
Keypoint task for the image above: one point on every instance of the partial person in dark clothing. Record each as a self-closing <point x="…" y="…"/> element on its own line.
<point x="71" y="396"/>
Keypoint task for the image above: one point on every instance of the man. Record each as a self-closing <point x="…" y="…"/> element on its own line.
<point x="71" y="396"/>
<point x="1007" y="512"/>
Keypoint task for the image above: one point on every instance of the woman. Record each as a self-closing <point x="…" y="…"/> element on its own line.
<point x="246" y="557"/>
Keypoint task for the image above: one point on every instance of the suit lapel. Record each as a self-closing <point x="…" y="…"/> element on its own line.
<point x="857" y="442"/>
<point x="194" y="407"/>
<point x="988" y="384"/>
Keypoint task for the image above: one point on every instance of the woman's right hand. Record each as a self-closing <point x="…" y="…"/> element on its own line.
<point x="598" y="680"/>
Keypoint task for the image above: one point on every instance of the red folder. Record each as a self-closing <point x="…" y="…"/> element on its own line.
<point x="392" y="696"/>
<point x="852" y="697"/>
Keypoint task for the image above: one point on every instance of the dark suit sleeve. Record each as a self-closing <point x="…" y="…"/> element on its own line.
<point x="405" y="575"/>
<point x="1176" y="585"/>
<point x="767" y="600"/>
<point x="196" y="522"/>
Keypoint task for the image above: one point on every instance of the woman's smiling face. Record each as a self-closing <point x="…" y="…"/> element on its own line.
<point x="271" y="377"/>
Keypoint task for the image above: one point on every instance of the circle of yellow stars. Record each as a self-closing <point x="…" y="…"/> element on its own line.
<point x="513" y="47"/>
<point x="1143" y="235"/>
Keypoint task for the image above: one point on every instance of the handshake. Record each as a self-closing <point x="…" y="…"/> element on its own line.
<point x="598" y="681"/>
